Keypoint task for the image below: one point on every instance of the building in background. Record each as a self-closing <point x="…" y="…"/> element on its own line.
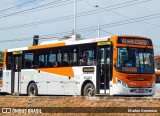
<point x="157" y="68"/>
<point x="157" y="62"/>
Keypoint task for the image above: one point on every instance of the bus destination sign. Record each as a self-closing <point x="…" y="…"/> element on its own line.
<point x="103" y="43"/>
<point x="135" y="41"/>
<point x="130" y="69"/>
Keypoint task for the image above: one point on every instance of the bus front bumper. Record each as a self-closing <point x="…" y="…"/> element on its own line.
<point x="121" y="90"/>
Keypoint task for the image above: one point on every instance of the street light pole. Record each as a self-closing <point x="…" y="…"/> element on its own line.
<point x="98" y="12"/>
<point x="75" y="17"/>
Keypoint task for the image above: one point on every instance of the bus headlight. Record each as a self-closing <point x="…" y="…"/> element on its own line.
<point x="121" y="82"/>
<point x="124" y="84"/>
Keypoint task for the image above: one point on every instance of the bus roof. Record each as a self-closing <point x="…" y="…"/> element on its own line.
<point x="71" y="41"/>
<point x="59" y="43"/>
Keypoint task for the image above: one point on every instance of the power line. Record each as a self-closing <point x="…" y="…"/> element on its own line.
<point x="51" y="36"/>
<point x="52" y="3"/>
<point x="103" y="26"/>
<point x="6" y="3"/>
<point x="65" y="17"/>
<point x="37" y="7"/>
<point x="90" y="32"/>
<point x="107" y="32"/>
<point x="88" y="3"/>
<point x="82" y="30"/>
<point x="131" y="18"/>
<point x="45" y="7"/>
<point x="121" y="22"/>
<point x="17" y="5"/>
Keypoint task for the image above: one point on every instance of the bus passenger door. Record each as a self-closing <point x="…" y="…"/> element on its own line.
<point x="16" y="73"/>
<point x="103" y="69"/>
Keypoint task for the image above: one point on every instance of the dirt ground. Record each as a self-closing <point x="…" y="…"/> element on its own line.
<point x="76" y="101"/>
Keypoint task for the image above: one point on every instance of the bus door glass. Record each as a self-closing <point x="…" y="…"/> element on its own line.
<point x="103" y="69"/>
<point x="16" y="73"/>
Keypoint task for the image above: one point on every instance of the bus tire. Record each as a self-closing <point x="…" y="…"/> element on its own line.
<point x="89" y="90"/>
<point x="32" y="90"/>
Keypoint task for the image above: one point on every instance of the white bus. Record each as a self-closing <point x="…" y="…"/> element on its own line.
<point x="116" y="65"/>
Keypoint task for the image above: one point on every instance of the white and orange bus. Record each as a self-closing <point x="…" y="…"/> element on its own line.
<point x="116" y="65"/>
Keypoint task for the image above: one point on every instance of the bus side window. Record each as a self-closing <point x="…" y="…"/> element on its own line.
<point x="73" y="56"/>
<point x="52" y="59"/>
<point x="84" y="58"/>
<point x="41" y="58"/>
<point x="70" y="54"/>
<point x="59" y="56"/>
<point x="9" y="61"/>
<point x="87" y="57"/>
<point x="28" y="60"/>
<point x="65" y="61"/>
<point x="55" y="57"/>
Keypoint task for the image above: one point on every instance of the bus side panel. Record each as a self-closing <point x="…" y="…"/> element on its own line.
<point x="39" y="77"/>
<point x="26" y="76"/>
<point x="24" y="87"/>
<point x="55" y="85"/>
<point x="67" y="85"/>
<point x="73" y="86"/>
<point x="7" y="81"/>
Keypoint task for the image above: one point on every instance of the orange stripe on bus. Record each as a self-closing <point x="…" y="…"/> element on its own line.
<point x="4" y="61"/>
<point x="1" y="84"/>
<point x="46" y="46"/>
<point x="64" y="71"/>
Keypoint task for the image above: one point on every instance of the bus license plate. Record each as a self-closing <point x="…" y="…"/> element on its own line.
<point x="140" y="90"/>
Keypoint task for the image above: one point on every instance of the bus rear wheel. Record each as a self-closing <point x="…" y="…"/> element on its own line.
<point x="89" y="90"/>
<point x="32" y="90"/>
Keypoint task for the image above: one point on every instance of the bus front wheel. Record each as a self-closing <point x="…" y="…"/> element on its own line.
<point x="32" y="90"/>
<point x="89" y="90"/>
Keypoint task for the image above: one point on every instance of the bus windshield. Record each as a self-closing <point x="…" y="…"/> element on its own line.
<point x="135" y="60"/>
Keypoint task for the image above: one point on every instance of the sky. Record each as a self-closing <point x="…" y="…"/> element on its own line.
<point x="20" y="20"/>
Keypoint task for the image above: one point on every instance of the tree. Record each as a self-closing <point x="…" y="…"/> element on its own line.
<point x="1" y="56"/>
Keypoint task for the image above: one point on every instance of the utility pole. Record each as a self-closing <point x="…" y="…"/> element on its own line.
<point x="98" y="26"/>
<point x="75" y="17"/>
